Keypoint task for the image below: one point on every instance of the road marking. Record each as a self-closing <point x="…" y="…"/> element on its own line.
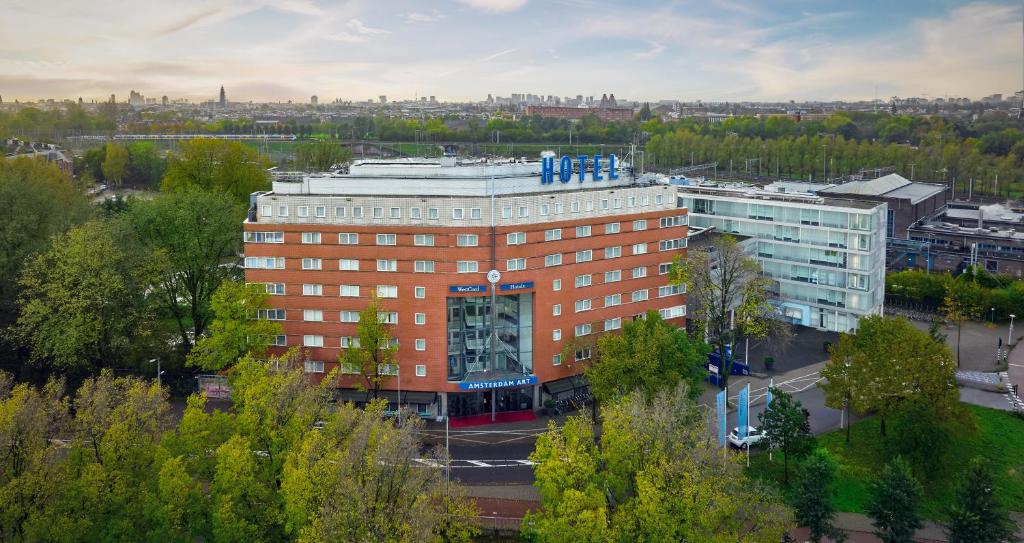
<point x="478" y="463"/>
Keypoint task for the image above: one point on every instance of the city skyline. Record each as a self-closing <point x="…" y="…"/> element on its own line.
<point x="462" y="51"/>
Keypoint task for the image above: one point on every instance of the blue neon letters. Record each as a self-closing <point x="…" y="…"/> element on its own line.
<point x="565" y="165"/>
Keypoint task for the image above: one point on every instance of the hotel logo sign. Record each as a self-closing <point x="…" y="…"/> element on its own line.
<point x="586" y="163"/>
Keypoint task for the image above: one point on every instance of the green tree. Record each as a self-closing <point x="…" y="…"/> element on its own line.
<point x="961" y="304"/>
<point x="321" y="156"/>
<point x="145" y="163"/>
<point x="372" y="361"/>
<point x="784" y="424"/>
<point x="41" y="203"/>
<point x="885" y="363"/>
<point x="812" y="497"/>
<point x="649" y="355"/>
<point x="892" y="506"/>
<point x="730" y="293"/>
<point x="921" y="438"/>
<point x="195" y="236"/>
<point x="359" y="479"/>
<point x="239" y="327"/>
<point x="658" y="474"/>
<point x="243" y="505"/>
<point x="83" y="301"/>
<point x="115" y="163"/>
<point x="214" y="164"/>
<point x="976" y="515"/>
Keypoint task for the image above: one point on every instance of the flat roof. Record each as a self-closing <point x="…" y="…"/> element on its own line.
<point x="756" y="194"/>
<point x="888" y="186"/>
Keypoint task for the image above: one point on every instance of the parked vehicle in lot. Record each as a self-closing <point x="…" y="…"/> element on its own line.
<point x="754" y="436"/>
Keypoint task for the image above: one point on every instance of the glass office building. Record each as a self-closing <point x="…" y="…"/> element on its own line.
<point x="826" y="256"/>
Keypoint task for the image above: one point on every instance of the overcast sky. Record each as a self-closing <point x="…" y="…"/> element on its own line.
<point x="267" y="50"/>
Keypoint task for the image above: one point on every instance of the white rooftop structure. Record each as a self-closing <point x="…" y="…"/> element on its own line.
<point x="887" y="186"/>
<point x="450" y="176"/>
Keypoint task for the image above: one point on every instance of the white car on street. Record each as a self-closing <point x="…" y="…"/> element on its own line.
<point x="754" y="436"/>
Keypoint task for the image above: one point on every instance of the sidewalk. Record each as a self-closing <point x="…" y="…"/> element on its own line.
<point x="792" y="377"/>
<point x="1015" y="371"/>
<point x="858" y="529"/>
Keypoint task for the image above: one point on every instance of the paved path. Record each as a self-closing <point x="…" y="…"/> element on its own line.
<point x="1015" y="374"/>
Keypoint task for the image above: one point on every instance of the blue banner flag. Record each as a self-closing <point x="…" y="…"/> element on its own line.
<point x="743" y="411"/>
<point x="768" y="398"/>
<point x="720" y="411"/>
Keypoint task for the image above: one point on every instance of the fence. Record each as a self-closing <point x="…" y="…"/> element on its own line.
<point x="501" y="525"/>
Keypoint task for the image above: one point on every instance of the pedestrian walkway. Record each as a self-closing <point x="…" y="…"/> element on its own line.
<point x="1014" y="376"/>
<point x="858" y="529"/>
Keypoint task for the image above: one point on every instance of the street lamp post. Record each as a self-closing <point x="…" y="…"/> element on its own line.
<point x="159" y="373"/>
<point x="1009" y="338"/>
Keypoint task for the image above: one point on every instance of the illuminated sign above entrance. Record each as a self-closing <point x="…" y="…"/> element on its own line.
<point x="459" y="289"/>
<point x="526" y="380"/>
<point x="584" y="162"/>
<point x="516" y="286"/>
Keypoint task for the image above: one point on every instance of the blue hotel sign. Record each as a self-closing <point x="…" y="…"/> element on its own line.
<point x="565" y="166"/>
<point x="516" y="286"/>
<point x="499" y="383"/>
<point x="460" y="289"/>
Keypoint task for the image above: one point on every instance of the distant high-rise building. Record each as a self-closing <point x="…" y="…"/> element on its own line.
<point x="383" y="99"/>
<point x="113" y="99"/>
<point x="432" y="99"/>
<point x="313" y="100"/>
<point x="164" y="100"/>
<point x="490" y="99"/>
<point x="136" y="98"/>
<point x="79" y="100"/>
<point x="223" y="97"/>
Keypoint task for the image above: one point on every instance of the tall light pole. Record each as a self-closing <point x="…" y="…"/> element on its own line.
<point x="159" y="373"/>
<point x="1009" y="338"/>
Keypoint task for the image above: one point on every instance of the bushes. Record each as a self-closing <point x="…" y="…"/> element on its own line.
<point x="984" y="290"/>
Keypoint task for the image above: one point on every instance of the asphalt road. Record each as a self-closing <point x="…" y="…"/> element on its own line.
<point x="476" y="463"/>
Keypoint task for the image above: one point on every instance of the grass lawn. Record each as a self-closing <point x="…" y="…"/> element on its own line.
<point x="999" y="438"/>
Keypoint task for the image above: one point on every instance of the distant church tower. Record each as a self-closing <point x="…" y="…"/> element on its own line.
<point x="223" y="97"/>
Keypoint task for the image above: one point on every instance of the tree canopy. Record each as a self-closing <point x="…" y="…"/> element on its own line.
<point x="887" y="362"/>
<point x="194" y="236"/>
<point x="42" y="203"/>
<point x="216" y="165"/>
<point x="237" y="328"/>
<point x="649" y="355"/>
<point x="657" y="474"/>
<point x="83" y="301"/>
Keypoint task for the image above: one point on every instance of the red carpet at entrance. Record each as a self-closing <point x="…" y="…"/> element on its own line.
<point x="480" y="420"/>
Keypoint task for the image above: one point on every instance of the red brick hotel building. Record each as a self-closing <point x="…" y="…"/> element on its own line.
<point x="574" y="258"/>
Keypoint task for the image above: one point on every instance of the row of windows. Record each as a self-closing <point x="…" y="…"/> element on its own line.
<point x="459" y="213"/>
<point x="357" y="212"/>
<point x="317" y="366"/>
<point x="461" y="266"/>
<point x="462" y="240"/>
<point x="344" y="342"/>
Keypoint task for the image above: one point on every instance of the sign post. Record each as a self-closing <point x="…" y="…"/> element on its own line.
<point x="743" y="414"/>
<point x="493" y="277"/>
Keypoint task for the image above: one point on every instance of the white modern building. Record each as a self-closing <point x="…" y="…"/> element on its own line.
<point x="825" y="255"/>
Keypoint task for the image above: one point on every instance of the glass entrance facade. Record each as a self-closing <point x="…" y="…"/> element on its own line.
<point x="469" y="336"/>
<point x="463" y="404"/>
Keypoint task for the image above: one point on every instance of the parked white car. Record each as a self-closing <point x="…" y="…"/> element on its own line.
<point x="754" y="436"/>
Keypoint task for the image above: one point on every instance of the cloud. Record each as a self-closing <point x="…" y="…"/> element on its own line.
<point x="655" y="50"/>
<point x="416" y="17"/>
<point x="494" y="5"/>
<point x="970" y="51"/>
<point x="357" y="33"/>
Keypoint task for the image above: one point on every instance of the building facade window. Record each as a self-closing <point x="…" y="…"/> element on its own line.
<point x="423" y="266"/>
<point x="553" y="234"/>
<point x="639" y="248"/>
<point x="420" y="292"/>
<point x="312" y="290"/>
<point x="423" y="240"/>
<point x="421" y="370"/>
<point x="556" y="285"/>
<point x="312" y="315"/>
<point x="420" y="318"/>
<point x="583" y="231"/>
<point x="313" y="366"/>
<point x="467" y="240"/>
<point x="264" y="237"/>
<point x="387" y="239"/>
<point x="349" y="291"/>
<point x="612" y="276"/>
<point x="515" y="264"/>
<point x="387" y="291"/>
<point x="349" y="316"/>
<point x="612" y="228"/>
<point x="639" y="225"/>
<point x="553" y="260"/>
<point x="348" y="264"/>
<point x="583" y="305"/>
<point x="311" y="237"/>
<point x="467" y="266"/>
<point x="387" y="265"/>
<point x="613" y="252"/>
<point x="583" y="330"/>
<point x="584" y="280"/>
<point x="348" y="238"/>
<point x="312" y="264"/>
<point x="516" y="238"/>
<point x="312" y="341"/>
<point x="264" y="262"/>
<point x="421" y="344"/>
<point x="584" y="256"/>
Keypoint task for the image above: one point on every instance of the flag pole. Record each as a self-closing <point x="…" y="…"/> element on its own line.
<point x="771" y="384"/>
